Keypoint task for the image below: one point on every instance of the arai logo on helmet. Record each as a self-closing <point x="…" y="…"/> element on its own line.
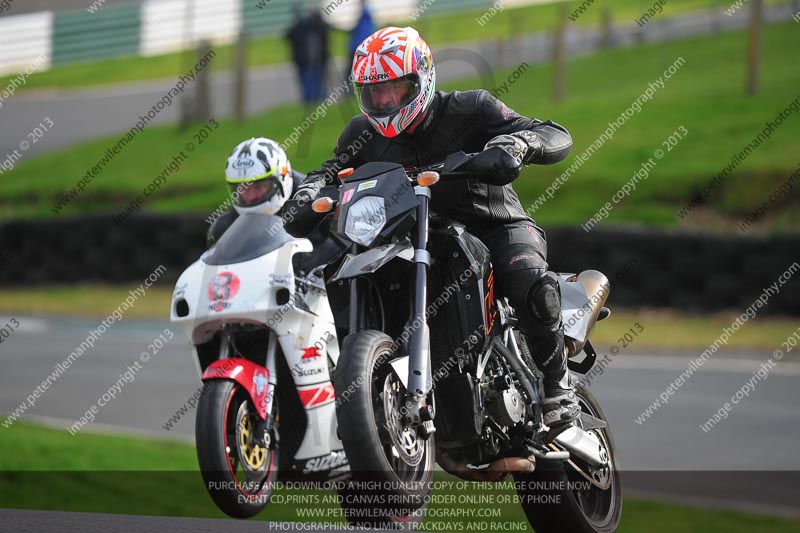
<point x="243" y="163"/>
<point x="377" y="77"/>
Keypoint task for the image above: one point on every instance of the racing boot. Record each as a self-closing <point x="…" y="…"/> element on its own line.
<point x="559" y="405"/>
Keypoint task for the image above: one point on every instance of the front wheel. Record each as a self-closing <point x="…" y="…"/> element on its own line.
<point x="239" y="472"/>
<point x="391" y="461"/>
<point x="574" y="497"/>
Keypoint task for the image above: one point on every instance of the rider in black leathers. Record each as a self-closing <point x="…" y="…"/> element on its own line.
<point x="417" y="126"/>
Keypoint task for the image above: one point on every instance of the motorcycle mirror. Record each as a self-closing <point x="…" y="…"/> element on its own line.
<point x="428" y="178"/>
<point x="322" y="205"/>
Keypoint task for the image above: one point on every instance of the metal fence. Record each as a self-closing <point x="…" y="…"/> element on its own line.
<point x="81" y="36"/>
<point x="101" y="31"/>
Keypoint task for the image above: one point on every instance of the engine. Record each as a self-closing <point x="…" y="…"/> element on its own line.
<point x="480" y="417"/>
<point x="504" y="401"/>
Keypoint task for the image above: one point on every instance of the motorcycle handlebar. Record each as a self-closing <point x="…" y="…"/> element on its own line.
<point x="494" y="166"/>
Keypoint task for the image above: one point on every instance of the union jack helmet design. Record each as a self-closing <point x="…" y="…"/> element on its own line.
<point x="394" y="77"/>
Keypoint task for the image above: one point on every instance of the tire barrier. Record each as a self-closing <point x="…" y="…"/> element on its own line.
<point x="695" y="272"/>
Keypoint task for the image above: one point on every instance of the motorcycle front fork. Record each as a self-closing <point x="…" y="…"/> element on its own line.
<point x="264" y="428"/>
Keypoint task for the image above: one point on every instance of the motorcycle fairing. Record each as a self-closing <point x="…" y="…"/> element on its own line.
<point x="255" y="301"/>
<point x="252" y="377"/>
<point x="232" y="284"/>
<point x="372" y="260"/>
<point x="332" y="464"/>
<point x="307" y="351"/>
<point x="320" y="436"/>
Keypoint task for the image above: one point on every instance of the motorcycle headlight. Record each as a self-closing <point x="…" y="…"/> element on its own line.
<point x="365" y="220"/>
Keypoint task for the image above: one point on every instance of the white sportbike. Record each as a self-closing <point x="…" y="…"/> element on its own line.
<point x="265" y="343"/>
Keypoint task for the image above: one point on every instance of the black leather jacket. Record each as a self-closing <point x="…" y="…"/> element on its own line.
<point x="456" y="121"/>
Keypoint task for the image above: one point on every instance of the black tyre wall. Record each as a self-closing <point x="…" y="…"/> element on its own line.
<point x="688" y="271"/>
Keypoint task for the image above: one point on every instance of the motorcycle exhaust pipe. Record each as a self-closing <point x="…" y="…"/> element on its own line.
<point x="495" y="472"/>
<point x="578" y="443"/>
<point x="597" y="290"/>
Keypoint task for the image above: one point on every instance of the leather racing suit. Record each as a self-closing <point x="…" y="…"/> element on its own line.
<point x="467" y="121"/>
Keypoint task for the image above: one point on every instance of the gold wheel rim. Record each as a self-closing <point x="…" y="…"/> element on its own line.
<point x="254" y="455"/>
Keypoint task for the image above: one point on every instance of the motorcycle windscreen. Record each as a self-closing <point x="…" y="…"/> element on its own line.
<point x="251" y="235"/>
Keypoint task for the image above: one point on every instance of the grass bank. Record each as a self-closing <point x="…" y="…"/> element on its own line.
<point x="705" y="96"/>
<point x="128" y="475"/>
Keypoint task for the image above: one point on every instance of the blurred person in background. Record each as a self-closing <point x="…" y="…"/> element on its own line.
<point x="308" y="39"/>
<point x="395" y="81"/>
<point x="364" y="28"/>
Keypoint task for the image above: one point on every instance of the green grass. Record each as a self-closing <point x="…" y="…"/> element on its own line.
<point x="29" y="447"/>
<point x="706" y="96"/>
<point x="44" y="468"/>
<point x="663" y="329"/>
<point x="84" y="300"/>
<point x="656" y="517"/>
<point x="85" y="473"/>
<point x="436" y="29"/>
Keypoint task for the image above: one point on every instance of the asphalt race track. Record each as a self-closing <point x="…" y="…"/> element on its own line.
<point x="747" y="462"/>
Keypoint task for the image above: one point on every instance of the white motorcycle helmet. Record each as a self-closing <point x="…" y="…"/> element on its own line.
<point x="260" y="176"/>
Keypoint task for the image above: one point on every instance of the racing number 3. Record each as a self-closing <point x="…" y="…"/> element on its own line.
<point x="222" y="286"/>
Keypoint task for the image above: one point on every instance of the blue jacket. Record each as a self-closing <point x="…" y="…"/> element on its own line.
<point x="363" y="29"/>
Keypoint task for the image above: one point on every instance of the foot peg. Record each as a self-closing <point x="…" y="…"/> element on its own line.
<point x="588" y="422"/>
<point x="550" y="455"/>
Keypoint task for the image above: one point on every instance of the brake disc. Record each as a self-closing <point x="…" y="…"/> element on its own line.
<point x="405" y="439"/>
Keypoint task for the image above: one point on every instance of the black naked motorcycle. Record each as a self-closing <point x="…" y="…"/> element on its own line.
<point x="433" y="367"/>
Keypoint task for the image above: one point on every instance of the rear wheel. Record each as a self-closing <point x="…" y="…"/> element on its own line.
<point x="572" y="496"/>
<point x="391" y="462"/>
<point x="239" y="472"/>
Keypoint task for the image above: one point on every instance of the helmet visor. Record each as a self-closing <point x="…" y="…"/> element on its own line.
<point x="388" y="97"/>
<point x="255" y="193"/>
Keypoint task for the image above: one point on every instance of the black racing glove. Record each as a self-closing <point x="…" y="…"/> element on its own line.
<point x="524" y="146"/>
<point x="299" y="219"/>
<point x="308" y="190"/>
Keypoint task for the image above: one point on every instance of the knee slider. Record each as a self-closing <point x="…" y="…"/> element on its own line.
<point x="544" y="300"/>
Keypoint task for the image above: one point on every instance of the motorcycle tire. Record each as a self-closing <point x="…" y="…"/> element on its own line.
<point x="225" y="420"/>
<point x="377" y="496"/>
<point x="557" y="498"/>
